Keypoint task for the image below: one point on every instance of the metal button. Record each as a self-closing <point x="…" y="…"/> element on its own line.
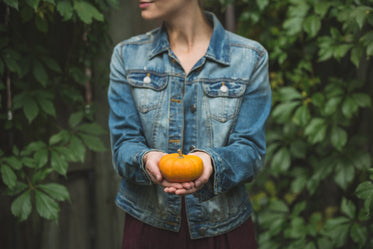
<point x="223" y="88"/>
<point x="147" y="79"/>
<point x="193" y="108"/>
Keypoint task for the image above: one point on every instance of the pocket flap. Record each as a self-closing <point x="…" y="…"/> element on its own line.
<point x="147" y="80"/>
<point x="224" y="89"/>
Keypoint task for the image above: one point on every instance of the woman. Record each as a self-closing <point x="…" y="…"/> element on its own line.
<point x="187" y="85"/>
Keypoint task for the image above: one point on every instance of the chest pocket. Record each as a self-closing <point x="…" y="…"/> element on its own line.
<point x="147" y="90"/>
<point x="223" y="99"/>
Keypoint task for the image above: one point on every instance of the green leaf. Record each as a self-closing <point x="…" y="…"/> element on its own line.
<point x="12" y="3"/>
<point x="364" y="190"/>
<point x="75" y="119"/>
<point x="312" y="25"/>
<point x="92" y="128"/>
<point x="46" y="206"/>
<point x="344" y="174"/>
<point x="51" y="64"/>
<point x="288" y="93"/>
<point x="262" y="4"/>
<point x="77" y="147"/>
<point x="21" y="207"/>
<point x="338" y="137"/>
<point x="282" y="112"/>
<point x="47" y="106"/>
<point x="348" y="208"/>
<point x="56" y="191"/>
<point x="13" y="162"/>
<point x="58" y="163"/>
<point x="33" y="3"/>
<point x="349" y="107"/>
<point x="87" y="12"/>
<point x="341" y="50"/>
<point x="298" y="149"/>
<point x="92" y="142"/>
<point x="8" y="176"/>
<point x="332" y="105"/>
<point x="358" y="234"/>
<point x="356" y="55"/>
<point x="316" y="130"/>
<point x="302" y="115"/>
<point x="281" y="160"/>
<point x="65" y="9"/>
<point x="20" y="187"/>
<point x="41" y="24"/>
<point x="61" y="136"/>
<point x="40" y="175"/>
<point x="321" y="7"/>
<point x="30" y="108"/>
<point x="41" y="157"/>
<point x="293" y="25"/>
<point x="40" y="73"/>
<point x="362" y="99"/>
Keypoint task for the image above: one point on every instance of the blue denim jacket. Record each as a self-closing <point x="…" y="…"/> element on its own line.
<point x="220" y="108"/>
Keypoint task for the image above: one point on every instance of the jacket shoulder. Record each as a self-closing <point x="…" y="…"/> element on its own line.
<point x="246" y="43"/>
<point x="144" y="38"/>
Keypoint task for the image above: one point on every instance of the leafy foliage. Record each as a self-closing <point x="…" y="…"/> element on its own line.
<point x="316" y="191"/>
<point x="47" y="49"/>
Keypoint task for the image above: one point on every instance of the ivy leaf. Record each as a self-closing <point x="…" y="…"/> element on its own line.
<point x="362" y="99"/>
<point x="65" y="9"/>
<point x="293" y="25"/>
<point x="40" y="73"/>
<point x="338" y="137"/>
<point x="56" y="191"/>
<point x="316" y="130"/>
<point x="75" y="119"/>
<point x="46" y="206"/>
<point x="47" y="106"/>
<point x="41" y="157"/>
<point x="262" y="4"/>
<point x="332" y="105"/>
<point x="8" y="176"/>
<point x="58" y="163"/>
<point x="13" y="162"/>
<point x="349" y="107"/>
<point x="281" y="160"/>
<point x="12" y="3"/>
<point x="364" y="190"/>
<point x="92" y="128"/>
<point x="282" y="112"/>
<point x="358" y="234"/>
<point x="356" y="55"/>
<point x="30" y="108"/>
<point x="21" y="207"/>
<point x="87" y="12"/>
<point x="92" y="142"/>
<point x="33" y="3"/>
<point x="77" y="147"/>
<point x="348" y="208"/>
<point x="302" y="115"/>
<point x="312" y="25"/>
<point x="344" y="174"/>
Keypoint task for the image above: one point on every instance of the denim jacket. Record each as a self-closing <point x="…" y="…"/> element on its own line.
<point x="220" y="107"/>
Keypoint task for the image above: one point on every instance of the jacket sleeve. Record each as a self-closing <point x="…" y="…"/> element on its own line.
<point x="244" y="154"/>
<point x="127" y="139"/>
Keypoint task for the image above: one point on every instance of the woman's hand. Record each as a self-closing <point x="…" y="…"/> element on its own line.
<point x="191" y="187"/>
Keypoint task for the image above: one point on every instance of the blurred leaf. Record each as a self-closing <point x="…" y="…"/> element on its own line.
<point x="349" y="107"/>
<point x="282" y="112"/>
<point x="359" y="234"/>
<point x="92" y="128"/>
<point x="30" y="108"/>
<point x="344" y="174"/>
<point x="312" y="25"/>
<point x="12" y="3"/>
<point x="46" y="206"/>
<point x="302" y="115"/>
<point x="58" y="163"/>
<point x="21" y="206"/>
<point x="316" y="130"/>
<point x="87" y="12"/>
<point x="8" y="176"/>
<point x="92" y="142"/>
<point x="56" y="191"/>
<point x="65" y="9"/>
<point x="77" y="147"/>
<point x="332" y="105"/>
<point x="281" y="160"/>
<point x="348" y="208"/>
<point x="338" y="137"/>
<point x="41" y="157"/>
<point x="75" y="118"/>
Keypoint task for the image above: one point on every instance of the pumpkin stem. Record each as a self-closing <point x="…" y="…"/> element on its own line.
<point x="180" y="153"/>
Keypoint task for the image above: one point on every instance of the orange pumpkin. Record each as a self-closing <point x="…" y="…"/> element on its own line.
<point x="177" y="167"/>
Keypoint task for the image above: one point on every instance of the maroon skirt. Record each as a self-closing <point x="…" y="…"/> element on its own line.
<point x="138" y="235"/>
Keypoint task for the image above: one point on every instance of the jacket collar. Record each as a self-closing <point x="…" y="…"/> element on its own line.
<point x="218" y="50"/>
